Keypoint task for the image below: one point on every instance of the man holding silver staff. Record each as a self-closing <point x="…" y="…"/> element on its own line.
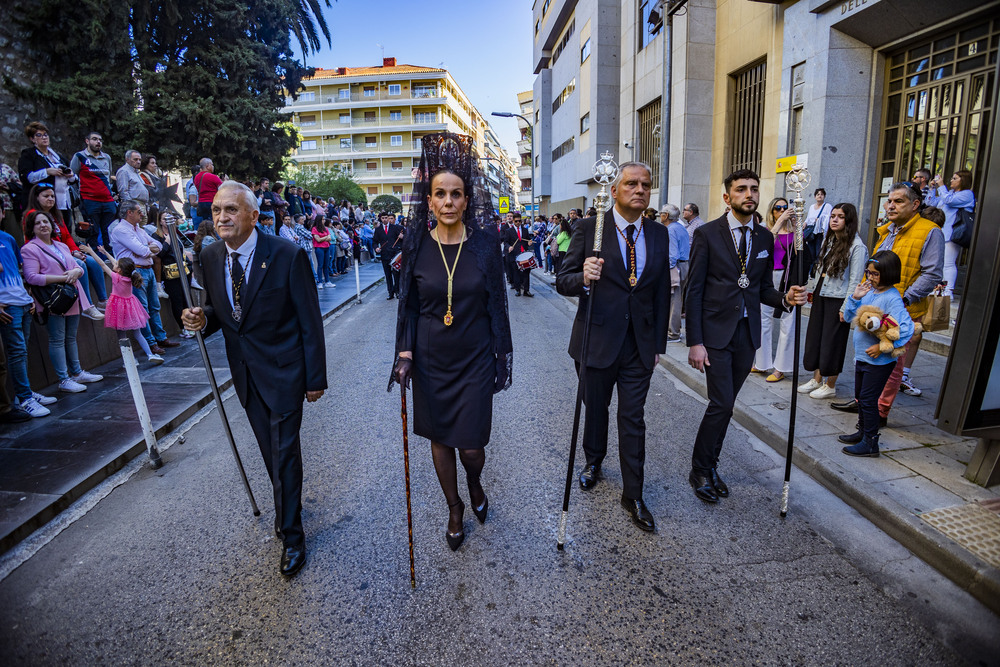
<point x="628" y="328"/>
<point x="260" y="291"/>
<point x="729" y="277"/>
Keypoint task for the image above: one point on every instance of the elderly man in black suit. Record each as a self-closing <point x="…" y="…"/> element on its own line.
<point x="630" y="286"/>
<point x="388" y="241"/>
<point x="261" y="292"/>
<point x="517" y="238"/>
<point x="729" y="277"/>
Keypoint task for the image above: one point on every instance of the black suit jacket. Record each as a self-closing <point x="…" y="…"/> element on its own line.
<point x="715" y="302"/>
<point x="516" y="246"/>
<point x="616" y="303"/>
<point x="279" y="340"/>
<point x="380" y="239"/>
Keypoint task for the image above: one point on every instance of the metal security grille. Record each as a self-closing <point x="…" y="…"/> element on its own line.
<point x="748" y="117"/>
<point x="648" y="148"/>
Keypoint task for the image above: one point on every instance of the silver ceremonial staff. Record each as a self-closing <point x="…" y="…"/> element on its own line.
<point x="164" y="196"/>
<point x="797" y="179"/>
<point x="605" y="172"/>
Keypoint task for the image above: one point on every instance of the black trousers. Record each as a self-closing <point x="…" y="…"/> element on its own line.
<point x="175" y="291"/>
<point x="869" y="381"/>
<point x="391" y="276"/>
<point x="729" y="369"/>
<point x="826" y="337"/>
<point x="632" y="380"/>
<point x="278" y="439"/>
<point x="520" y="280"/>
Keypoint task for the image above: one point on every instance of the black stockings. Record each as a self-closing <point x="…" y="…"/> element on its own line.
<point x="473" y="461"/>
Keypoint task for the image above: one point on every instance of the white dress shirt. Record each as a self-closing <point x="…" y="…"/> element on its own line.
<point x="241" y="255"/>
<point x="640" y="242"/>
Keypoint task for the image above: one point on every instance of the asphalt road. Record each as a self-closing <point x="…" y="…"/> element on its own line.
<point x="172" y="568"/>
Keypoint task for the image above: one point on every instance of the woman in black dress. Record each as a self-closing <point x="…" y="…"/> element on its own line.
<point x="452" y="333"/>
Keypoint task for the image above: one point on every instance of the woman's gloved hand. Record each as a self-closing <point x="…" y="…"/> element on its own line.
<point x="401" y="372"/>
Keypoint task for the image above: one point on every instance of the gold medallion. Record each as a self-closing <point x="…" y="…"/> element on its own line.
<point x="632" y="280"/>
<point x="448" y="319"/>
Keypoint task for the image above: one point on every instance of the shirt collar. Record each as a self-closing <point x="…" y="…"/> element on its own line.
<point x="735" y="224"/>
<point x="248" y="246"/>
<point x="621" y="222"/>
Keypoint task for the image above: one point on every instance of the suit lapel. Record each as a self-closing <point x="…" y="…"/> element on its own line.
<point x="649" y="238"/>
<point x="726" y="236"/>
<point x="220" y="277"/>
<point x="261" y="263"/>
<point x="609" y="245"/>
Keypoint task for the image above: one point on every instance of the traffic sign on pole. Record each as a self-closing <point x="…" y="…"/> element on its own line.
<point x="504" y="204"/>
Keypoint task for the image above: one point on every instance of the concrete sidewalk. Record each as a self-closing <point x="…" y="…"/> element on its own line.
<point x="915" y="491"/>
<point x="47" y="463"/>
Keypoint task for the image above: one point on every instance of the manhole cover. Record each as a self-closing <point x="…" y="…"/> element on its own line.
<point x="973" y="526"/>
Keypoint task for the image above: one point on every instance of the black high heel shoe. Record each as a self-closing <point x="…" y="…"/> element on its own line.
<point x="455" y="539"/>
<point x="480" y="511"/>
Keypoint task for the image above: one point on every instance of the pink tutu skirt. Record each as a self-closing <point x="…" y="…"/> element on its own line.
<point x="125" y="313"/>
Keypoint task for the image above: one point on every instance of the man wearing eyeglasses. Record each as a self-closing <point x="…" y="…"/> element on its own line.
<point x="692" y="219"/>
<point x="93" y="167"/>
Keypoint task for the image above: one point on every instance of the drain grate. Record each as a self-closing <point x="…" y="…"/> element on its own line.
<point x="973" y="526"/>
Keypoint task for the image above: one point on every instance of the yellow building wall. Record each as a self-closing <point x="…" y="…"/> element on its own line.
<point x="745" y="33"/>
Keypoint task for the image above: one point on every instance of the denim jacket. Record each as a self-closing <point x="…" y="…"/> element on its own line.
<point x="842" y="287"/>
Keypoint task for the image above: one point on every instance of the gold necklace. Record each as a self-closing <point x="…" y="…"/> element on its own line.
<point x="630" y="247"/>
<point x="448" y="319"/>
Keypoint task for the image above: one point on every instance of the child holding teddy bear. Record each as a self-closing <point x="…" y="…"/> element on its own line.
<point x="882" y="327"/>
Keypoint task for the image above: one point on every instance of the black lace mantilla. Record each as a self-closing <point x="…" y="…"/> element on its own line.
<point x="456" y="153"/>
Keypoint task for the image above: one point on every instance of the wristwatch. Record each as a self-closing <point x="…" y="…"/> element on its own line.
<point x="906" y="301"/>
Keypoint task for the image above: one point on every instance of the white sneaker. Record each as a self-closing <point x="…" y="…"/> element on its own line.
<point x="809" y="387"/>
<point x="160" y="292"/>
<point x="155" y="359"/>
<point x="85" y="377"/>
<point x="825" y="391"/>
<point x="43" y="400"/>
<point x="34" y="408"/>
<point x="195" y="284"/>
<point x="330" y="285"/>
<point x="71" y="387"/>
<point x="93" y="313"/>
<point x="319" y="285"/>
<point x="908" y="388"/>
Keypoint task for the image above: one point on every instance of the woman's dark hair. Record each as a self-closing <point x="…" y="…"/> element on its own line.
<point x="836" y="250"/>
<point x="320" y="223"/>
<point x="204" y="229"/>
<point x="126" y="267"/>
<point x="276" y="187"/>
<point x="55" y="213"/>
<point x="818" y="190"/>
<point x="305" y="193"/>
<point x="964" y="179"/>
<point x="29" y="223"/>
<point x="144" y="162"/>
<point x="566" y="226"/>
<point x="890" y="269"/>
<point x="34" y="127"/>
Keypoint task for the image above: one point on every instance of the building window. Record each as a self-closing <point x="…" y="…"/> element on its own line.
<point x="563" y="148"/>
<point x="369" y="116"/>
<point x="648" y="148"/>
<point x="556" y="52"/>
<point x="307" y="97"/>
<point x="345" y="143"/>
<point x="308" y="145"/>
<point x="397" y="165"/>
<point x="371" y="166"/>
<point x="345" y="119"/>
<point x="585" y="51"/>
<point x="397" y="189"/>
<point x="563" y="96"/>
<point x="369" y="91"/>
<point x="545" y="7"/>
<point x="424" y="90"/>
<point x="373" y="190"/>
<point x="305" y="121"/>
<point x="585" y="123"/>
<point x="747" y="134"/>
<point x="425" y="117"/>
<point x="371" y="142"/>
<point x="644" y="30"/>
<point x="538" y="24"/>
<point x="345" y="93"/>
<point x="395" y="89"/>
<point x="395" y="115"/>
<point x="396" y="140"/>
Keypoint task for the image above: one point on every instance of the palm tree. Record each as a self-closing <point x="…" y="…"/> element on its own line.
<point x="306" y="18"/>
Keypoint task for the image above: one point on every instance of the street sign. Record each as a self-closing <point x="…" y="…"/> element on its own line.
<point x="504" y="204"/>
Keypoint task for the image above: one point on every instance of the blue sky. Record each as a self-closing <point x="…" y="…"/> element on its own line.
<point x="485" y="44"/>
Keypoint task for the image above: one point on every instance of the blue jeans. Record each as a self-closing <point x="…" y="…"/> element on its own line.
<point x="62" y="344"/>
<point x="94" y="275"/>
<point x="99" y="215"/>
<point x="150" y="300"/>
<point x="323" y="265"/>
<point x="15" y="340"/>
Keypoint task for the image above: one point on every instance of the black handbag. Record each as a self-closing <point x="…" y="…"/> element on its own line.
<point x="56" y="298"/>
<point x="961" y="230"/>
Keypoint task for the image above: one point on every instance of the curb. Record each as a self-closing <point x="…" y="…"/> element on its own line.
<point x="61" y="503"/>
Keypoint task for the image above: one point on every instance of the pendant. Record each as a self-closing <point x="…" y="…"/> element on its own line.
<point x="743" y="282"/>
<point x="632" y="280"/>
<point x="448" y="319"/>
<point x="237" y="312"/>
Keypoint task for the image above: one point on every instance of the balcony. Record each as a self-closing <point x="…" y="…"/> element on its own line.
<point x="359" y="150"/>
<point x="383" y="175"/>
<point x="378" y="96"/>
<point x="402" y="124"/>
<point x="524" y="171"/>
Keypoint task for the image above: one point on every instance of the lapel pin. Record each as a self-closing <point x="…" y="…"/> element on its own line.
<point x="263" y="265"/>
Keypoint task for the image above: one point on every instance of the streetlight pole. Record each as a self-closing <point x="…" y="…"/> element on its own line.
<point x="531" y="134"/>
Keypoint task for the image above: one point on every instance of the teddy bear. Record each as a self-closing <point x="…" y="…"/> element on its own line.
<point x="884" y="327"/>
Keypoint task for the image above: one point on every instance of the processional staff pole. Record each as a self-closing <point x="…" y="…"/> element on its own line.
<point x="605" y="172"/>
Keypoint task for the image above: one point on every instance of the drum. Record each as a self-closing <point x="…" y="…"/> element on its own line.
<point x="397" y="262"/>
<point x="526" y="261"/>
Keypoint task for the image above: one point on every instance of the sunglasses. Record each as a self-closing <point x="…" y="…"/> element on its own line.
<point x="779" y="207"/>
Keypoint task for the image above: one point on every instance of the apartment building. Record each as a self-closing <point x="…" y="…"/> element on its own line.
<point x="369" y="121"/>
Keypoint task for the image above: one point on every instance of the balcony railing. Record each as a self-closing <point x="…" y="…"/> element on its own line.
<point x="365" y="123"/>
<point x="374" y="96"/>
<point x="360" y="148"/>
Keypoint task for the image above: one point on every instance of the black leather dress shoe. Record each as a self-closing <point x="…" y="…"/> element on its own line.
<point x="718" y="484"/>
<point x="589" y="477"/>
<point x="846" y="406"/>
<point x="527" y="293"/>
<point x="641" y="516"/>
<point x="292" y="560"/>
<point x="703" y="488"/>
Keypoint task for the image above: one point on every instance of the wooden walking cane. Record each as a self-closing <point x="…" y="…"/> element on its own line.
<point x="797" y="179"/>
<point x="406" y="467"/>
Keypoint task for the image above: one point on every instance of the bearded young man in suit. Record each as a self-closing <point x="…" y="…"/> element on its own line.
<point x="517" y="238"/>
<point x="388" y="241"/>
<point x="262" y="294"/>
<point x="630" y="287"/>
<point x="729" y="277"/>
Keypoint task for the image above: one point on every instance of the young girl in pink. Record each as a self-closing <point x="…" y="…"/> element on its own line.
<point x="124" y="311"/>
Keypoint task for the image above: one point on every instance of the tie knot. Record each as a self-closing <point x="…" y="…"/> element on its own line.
<point x="630" y="230"/>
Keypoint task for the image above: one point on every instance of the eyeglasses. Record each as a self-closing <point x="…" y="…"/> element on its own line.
<point x="779" y="207"/>
<point x="40" y="134"/>
<point x="872" y="273"/>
